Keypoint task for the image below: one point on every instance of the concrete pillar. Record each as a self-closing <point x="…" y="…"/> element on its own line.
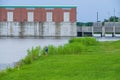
<point x="35" y="28"/>
<point x="21" y="33"/>
<point x="113" y="34"/>
<point x="92" y="31"/>
<point x="0" y="29"/>
<point x="103" y="31"/>
<point x="40" y="29"/>
<point x="82" y="31"/>
<point x="7" y="28"/>
<point x="73" y="29"/>
<point x="57" y="29"/>
<point x="11" y="29"/>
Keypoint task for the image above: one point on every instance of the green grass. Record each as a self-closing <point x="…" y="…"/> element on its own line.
<point x="94" y="62"/>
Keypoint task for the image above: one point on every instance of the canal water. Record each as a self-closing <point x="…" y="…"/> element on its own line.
<point x="14" y="49"/>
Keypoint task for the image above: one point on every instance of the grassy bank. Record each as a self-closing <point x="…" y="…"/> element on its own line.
<point x="81" y="59"/>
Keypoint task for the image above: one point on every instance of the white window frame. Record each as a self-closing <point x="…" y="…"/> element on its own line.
<point x="66" y="17"/>
<point x="49" y="16"/>
<point x="10" y="16"/>
<point x="30" y="16"/>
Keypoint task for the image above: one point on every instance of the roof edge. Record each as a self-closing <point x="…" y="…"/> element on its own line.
<point x="38" y="6"/>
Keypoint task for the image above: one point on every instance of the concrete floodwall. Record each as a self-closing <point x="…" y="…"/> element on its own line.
<point x="109" y="26"/>
<point x="79" y="28"/>
<point x="49" y="29"/>
<point x="112" y="28"/>
<point x="30" y="29"/>
<point x="97" y="27"/>
<point x="87" y="29"/>
<point x="97" y="24"/>
<point x="9" y="29"/>
<point x="68" y="29"/>
<point x="22" y="29"/>
<point x="117" y="27"/>
<point x="84" y="29"/>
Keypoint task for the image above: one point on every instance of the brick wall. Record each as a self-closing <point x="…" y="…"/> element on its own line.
<point x="20" y="14"/>
<point x="73" y="15"/>
<point x="58" y="15"/>
<point x="3" y="14"/>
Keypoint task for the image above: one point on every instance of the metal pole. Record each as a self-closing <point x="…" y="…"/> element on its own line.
<point x="97" y="16"/>
<point x="0" y="21"/>
<point x="114" y="24"/>
<point x="97" y="20"/>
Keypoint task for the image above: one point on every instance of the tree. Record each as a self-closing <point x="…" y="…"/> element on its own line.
<point x="112" y="19"/>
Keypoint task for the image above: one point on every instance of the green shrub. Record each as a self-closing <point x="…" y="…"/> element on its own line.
<point x="2" y="73"/>
<point x="52" y="49"/>
<point x="61" y="50"/>
<point x="32" y="54"/>
<point x="90" y="41"/>
<point x="19" y="64"/>
<point x="74" y="48"/>
<point x="35" y="53"/>
<point x="28" y="59"/>
<point x="85" y="41"/>
<point x="9" y="69"/>
<point x="71" y="48"/>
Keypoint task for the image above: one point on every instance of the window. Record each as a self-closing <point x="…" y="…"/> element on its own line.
<point x="49" y="16"/>
<point x="10" y="16"/>
<point x="30" y="17"/>
<point x="66" y="16"/>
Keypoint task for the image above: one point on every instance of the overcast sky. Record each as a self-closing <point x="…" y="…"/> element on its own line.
<point x="86" y="9"/>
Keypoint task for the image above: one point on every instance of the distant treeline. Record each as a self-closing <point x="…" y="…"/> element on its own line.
<point x="112" y="19"/>
<point x="84" y="24"/>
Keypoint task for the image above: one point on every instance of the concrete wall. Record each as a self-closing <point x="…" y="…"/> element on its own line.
<point x="49" y="29"/>
<point x="87" y="29"/>
<point x="9" y="29"/>
<point x="108" y="28"/>
<point x="22" y="29"/>
<point x="68" y="29"/>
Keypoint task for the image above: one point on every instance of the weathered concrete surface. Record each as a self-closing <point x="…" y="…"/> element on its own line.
<point x="22" y="29"/>
<point x="108" y="29"/>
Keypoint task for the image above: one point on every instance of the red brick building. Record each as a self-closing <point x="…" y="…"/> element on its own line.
<point x="41" y="14"/>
